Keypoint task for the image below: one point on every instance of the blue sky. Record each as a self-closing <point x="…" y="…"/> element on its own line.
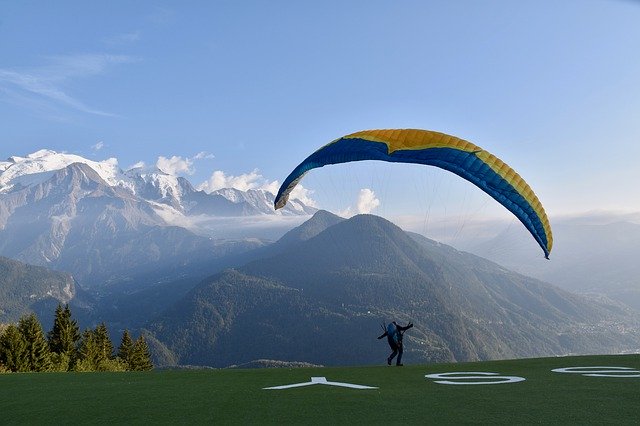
<point x="250" y="88"/>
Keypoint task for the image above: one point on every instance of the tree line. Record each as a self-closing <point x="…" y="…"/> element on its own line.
<point x="24" y="347"/>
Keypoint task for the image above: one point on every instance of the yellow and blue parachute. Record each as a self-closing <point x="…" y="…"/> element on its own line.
<point x="448" y="152"/>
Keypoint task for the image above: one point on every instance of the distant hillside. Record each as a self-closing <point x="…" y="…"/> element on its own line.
<point x="321" y="300"/>
<point x="596" y="254"/>
<point x="26" y="288"/>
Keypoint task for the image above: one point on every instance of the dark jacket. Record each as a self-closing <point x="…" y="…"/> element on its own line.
<point x="396" y="336"/>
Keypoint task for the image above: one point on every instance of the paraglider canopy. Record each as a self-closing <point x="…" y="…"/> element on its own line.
<point x="447" y="152"/>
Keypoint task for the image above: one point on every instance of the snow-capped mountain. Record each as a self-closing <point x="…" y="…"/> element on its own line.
<point x="150" y="184"/>
<point x="19" y="172"/>
<point x="100" y="223"/>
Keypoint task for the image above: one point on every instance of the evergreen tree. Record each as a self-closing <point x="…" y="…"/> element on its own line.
<point x="88" y="352"/>
<point x="103" y="341"/>
<point x="96" y="351"/>
<point x="64" y="337"/>
<point x="13" y="350"/>
<point x="37" y="347"/>
<point x="125" y="349"/>
<point x="140" y="359"/>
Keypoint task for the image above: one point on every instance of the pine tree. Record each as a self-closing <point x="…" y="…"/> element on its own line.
<point x="140" y="357"/>
<point x="13" y="350"/>
<point x="64" y="337"/>
<point x="96" y="351"/>
<point x="103" y="341"/>
<point x="37" y="347"/>
<point x="125" y="350"/>
<point x="88" y="352"/>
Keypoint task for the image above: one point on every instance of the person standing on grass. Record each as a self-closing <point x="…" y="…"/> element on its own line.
<point x="394" y="333"/>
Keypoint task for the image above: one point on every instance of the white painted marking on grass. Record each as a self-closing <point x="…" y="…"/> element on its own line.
<point x="471" y="377"/>
<point x="600" y="371"/>
<point x="321" y="381"/>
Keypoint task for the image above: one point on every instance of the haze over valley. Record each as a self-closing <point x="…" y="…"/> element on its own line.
<point x="294" y="298"/>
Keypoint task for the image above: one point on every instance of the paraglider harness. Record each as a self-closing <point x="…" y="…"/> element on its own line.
<point x="394" y="333"/>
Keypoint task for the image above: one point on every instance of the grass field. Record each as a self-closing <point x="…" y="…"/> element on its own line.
<point x="404" y="395"/>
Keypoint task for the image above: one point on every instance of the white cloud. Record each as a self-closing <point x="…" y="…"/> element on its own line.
<point x="204" y="156"/>
<point x="46" y="86"/>
<point x="367" y="201"/>
<point x="303" y="194"/>
<point x="253" y="180"/>
<point x="138" y="165"/>
<point x="365" y="204"/>
<point x="98" y="146"/>
<point x="348" y="212"/>
<point x="175" y="165"/>
<point x="243" y="182"/>
<point x="271" y="187"/>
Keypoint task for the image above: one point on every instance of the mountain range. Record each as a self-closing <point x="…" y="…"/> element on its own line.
<point x="104" y="225"/>
<point x="320" y="294"/>
<point x="136" y="249"/>
<point x="594" y="254"/>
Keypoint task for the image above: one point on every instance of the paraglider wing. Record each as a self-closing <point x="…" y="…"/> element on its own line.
<point x="448" y="152"/>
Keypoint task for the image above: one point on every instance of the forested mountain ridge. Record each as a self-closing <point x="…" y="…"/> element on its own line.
<point x="25" y="288"/>
<point x="321" y="300"/>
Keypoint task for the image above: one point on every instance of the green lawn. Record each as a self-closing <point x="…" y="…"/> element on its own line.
<point x="404" y="395"/>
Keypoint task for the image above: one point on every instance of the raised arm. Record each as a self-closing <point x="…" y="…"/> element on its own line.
<point x="405" y="328"/>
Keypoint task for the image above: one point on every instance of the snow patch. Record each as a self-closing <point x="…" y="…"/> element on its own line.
<point x="39" y="166"/>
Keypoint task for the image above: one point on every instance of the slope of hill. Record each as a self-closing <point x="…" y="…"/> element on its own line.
<point x="321" y="301"/>
<point x="591" y="255"/>
<point x="25" y="288"/>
